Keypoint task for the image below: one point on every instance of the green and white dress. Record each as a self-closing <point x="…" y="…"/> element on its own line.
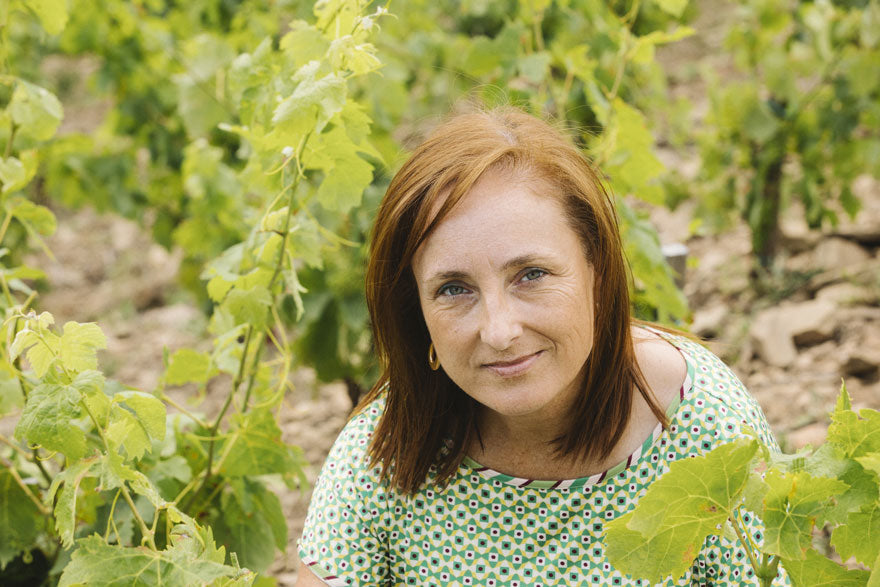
<point x="487" y="528"/>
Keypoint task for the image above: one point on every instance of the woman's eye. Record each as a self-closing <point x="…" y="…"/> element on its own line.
<point x="451" y="289"/>
<point x="533" y="274"/>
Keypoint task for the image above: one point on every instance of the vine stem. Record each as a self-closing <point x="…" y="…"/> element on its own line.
<point x="172" y="402"/>
<point x="767" y="572"/>
<point x="745" y="542"/>
<point x="145" y="531"/>
<point x="235" y="385"/>
<point x="8" y="464"/>
<point x="5" y="226"/>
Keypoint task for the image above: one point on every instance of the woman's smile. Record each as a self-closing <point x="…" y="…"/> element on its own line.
<point x="513" y="368"/>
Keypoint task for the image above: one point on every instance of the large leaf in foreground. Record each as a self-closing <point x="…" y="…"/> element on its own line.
<point x="791" y="507"/>
<point x="860" y="536"/>
<point x="817" y="571"/>
<point x="97" y="563"/>
<point x="664" y="535"/>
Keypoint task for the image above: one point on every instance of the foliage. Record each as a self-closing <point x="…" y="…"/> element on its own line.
<point x="800" y="119"/>
<point x="197" y="504"/>
<point x="834" y="486"/>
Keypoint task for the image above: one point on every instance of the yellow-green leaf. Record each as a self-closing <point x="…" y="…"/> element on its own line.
<point x="188" y="366"/>
<point x="80" y="344"/>
<point x="52" y="14"/>
<point x="35" y="111"/>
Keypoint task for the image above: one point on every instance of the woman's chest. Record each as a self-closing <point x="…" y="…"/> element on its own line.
<point x="479" y="532"/>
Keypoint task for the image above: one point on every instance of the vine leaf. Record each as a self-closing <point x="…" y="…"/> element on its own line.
<point x="52" y="14"/>
<point x="257" y="449"/>
<point x="80" y="344"/>
<point x="346" y="174"/>
<point x="95" y="562"/>
<point x="312" y="104"/>
<point x="817" y="571"/>
<point x="39" y="348"/>
<point x="188" y="366"/>
<point x="65" y="506"/>
<point x="17" y="172"/>
<point x="35" y="111"/>
<point x="20" y="521"/>
<point x="871" y="462"/>
<point x="859" y="537"/>
<point x="679" y="511"/>
<point x="49" y="418"/>
<point x="855" y="434"/>
<point x="791" y="506"/>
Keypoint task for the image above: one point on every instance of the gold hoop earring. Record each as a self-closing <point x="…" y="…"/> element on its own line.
<point x="433" y="361"/>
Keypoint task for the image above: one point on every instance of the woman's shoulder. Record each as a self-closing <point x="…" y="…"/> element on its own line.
<point x="350" y="451"/>
<point x="715" y="390"/>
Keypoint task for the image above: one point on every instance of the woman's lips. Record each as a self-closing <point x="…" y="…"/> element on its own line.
<point x="513" y="368"/>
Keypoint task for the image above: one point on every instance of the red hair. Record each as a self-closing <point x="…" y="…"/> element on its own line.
<point x="428" y="421"/>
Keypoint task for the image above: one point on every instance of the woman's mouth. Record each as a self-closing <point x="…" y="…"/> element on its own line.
<point x="513" y="368"/>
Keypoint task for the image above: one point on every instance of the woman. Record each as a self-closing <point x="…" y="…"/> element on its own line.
<point x="520" y="407"/>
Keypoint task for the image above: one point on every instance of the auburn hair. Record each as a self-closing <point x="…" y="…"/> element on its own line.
<point x="428" y="421"/>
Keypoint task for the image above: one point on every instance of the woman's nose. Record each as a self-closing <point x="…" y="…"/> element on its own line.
<point x="500" y="326"/>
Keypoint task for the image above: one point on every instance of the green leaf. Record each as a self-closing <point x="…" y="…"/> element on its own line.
<point x="11" y="398"/>
<point x="859" y="537"/>
<point x="871" y="462"/>
<point x="34" y="217"/>
<point x="69" y="481"/>
<point x="312" y="104"/>
<point x="304" y="43"/>
<point x="20" y="520"/>
<point x="346" y="174"/>
<point x="679" y="511"/>
<point x="791" y="506"/>
<point x="52" y="14"/>
<point x="40" y="349"/>
<point x="188" y="366"/>
<point x="126" y="430"/>
<point x="672" y="7"/>
<point x="257" y="449"/>
<point x="80" y="344"/>
<point x="48" y="420"/>
<point x="16" y="173"/>
<point x="817" y="571"/>
<point x="863" y="491"/>
<point x="247" y="533"/>
<point x="95" y="562"/>
<point x="855" y="434"/>
<point x="149" y="410"/>
<point x="535" y="66"/>
<point x="35" y="111"/>
<point x="90" y="384"/>
<point x="249" y="306"/>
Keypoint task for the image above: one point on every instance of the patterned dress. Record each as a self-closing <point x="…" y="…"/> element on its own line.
<point x="487" y="528"/>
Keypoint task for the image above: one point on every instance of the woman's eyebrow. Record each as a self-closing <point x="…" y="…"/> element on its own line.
<point x="522" y="260"/>
<point x="518" y="261"/>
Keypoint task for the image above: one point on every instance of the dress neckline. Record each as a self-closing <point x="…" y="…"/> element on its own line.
<point x="650" y="441"/>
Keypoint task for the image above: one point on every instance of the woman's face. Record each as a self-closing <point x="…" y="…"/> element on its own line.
<point x="507" y="295"/>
